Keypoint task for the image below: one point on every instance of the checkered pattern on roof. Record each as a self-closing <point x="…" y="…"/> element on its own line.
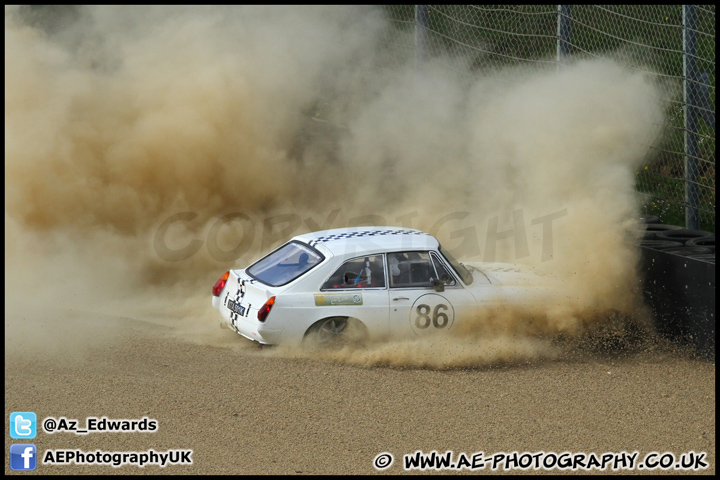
<point x="363" y="233"/>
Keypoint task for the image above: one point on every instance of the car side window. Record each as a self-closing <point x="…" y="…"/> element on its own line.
<point x="361" y="272"/>
<point x="410" y="269"/>
<point x="442" y="272"/>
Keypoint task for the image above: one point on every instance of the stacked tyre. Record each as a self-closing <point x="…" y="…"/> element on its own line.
<point x="675" y="240"/>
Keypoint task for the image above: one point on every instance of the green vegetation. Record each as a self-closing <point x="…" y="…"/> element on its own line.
<point x="644" y="37"/>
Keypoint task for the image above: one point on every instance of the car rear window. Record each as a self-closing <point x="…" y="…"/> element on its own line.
<point x="285" y="264"/>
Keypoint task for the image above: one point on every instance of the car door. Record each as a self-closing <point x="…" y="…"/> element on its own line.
<point x="357" y="289"/>
<point x="416" y="308"/>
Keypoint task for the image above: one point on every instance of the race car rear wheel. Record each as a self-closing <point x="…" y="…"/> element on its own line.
<point x="336" y="331"/>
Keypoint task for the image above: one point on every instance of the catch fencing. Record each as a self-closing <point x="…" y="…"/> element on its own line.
<point x="674" y="43"/>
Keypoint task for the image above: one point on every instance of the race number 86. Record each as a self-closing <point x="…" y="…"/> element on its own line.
<point x="439" y="319"/>
<point x="431" y="310"/>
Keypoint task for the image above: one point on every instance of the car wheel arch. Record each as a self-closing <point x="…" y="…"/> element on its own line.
<point x="354" y="323"/>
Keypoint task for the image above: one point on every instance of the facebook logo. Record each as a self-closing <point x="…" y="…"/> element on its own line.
<point x="23" y="456"/>
<point x="23" y="425"/>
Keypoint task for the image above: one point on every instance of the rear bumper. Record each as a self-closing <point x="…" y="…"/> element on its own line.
<point x="271" y="336"/>
<point x="247" y="327"/>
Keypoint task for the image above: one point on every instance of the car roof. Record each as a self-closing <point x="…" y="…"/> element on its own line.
<point x="361" y="240"/>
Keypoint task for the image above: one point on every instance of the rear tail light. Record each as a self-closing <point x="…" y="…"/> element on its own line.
<point x="265" y="309"/>
<point x="220" y="284"/>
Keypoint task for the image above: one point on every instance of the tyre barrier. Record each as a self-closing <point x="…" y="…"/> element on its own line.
<point x="707" y="242"/>
<point x="649" y="219"/>
<point x="683" y="235"/>
<point x="679" y="288"/>
<point x="651" y="230"/>
<point x="705" y="257"/>
<point x="688" y="251"/>
<point x="660" y="244"/>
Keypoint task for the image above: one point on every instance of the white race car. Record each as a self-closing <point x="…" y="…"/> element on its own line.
<point x="372" y="281"/>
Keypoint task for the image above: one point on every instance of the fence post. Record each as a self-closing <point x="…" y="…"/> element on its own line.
<point x="564" y="34"/>
<point x="421" y="32"/>
<point x="690" y="78"/>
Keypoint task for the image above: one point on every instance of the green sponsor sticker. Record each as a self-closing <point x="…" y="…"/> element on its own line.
<point x="326" y="299"/>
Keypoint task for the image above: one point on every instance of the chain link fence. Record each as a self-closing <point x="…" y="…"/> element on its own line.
<point x="674" y="43"/>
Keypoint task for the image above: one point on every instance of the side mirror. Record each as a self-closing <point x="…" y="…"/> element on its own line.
<point x="438" y="285"/>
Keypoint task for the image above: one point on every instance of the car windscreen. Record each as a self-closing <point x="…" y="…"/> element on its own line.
<point x="285" y="264"/>
<point x="457" y="266"/>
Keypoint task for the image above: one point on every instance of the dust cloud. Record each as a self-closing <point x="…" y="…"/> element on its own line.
<point x="117" y="119"/>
